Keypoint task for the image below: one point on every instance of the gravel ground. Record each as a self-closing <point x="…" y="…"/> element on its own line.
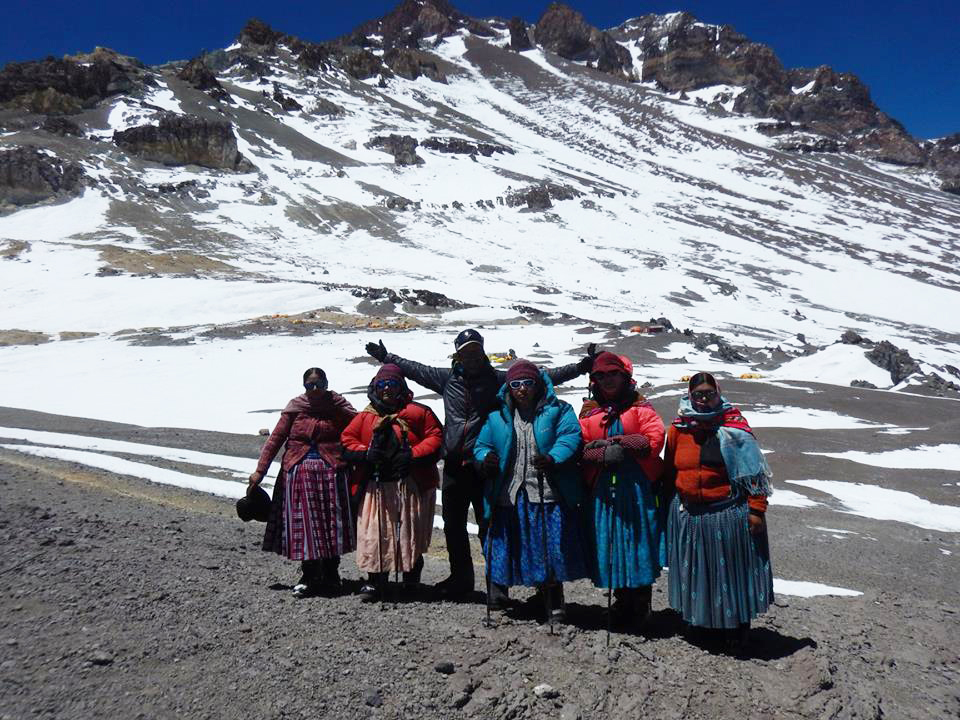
<point x="122" y="598"/>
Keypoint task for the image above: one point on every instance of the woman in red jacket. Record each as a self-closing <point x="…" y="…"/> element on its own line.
<point x="623" y="436"/>
<point x="393" y="444"/>
<point x="310" y="517"/>
<point x="719" y="558"/>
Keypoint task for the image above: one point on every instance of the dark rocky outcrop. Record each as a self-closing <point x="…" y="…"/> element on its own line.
<point x="519" y="37"/>
<point x="943" y="157"/>
<point x="540" y="197"/>
<point x="411" y="64"/>
<point x="460" y="146"/>
<point x="867" y="385"/>
<point x="57" y="125"/>
<point x="896" y="361"/>
<point x="563" y="30"/>
<point x="201" y="77"/>
<point x="402" y="147"/>
<point x="361" y="64"/>
<point x="29" y="175"/>
<point x="63" y="86"/>
<point x="185" y="140"/>
<point x="288" y="104"/>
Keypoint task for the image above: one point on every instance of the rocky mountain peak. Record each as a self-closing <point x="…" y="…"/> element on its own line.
<point x="564" y="31"/>
<point x="410" y="22"/>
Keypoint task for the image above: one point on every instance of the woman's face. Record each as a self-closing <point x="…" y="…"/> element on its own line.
<point x="610" y="383"/>
<point x="523" y="392"/>
<point x="315" y="386"/>
<point x="388" y="391"/>
<point x="704" y="397"/>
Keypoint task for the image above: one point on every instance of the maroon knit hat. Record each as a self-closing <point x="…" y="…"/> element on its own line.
<point x="608" y="362"/>
<point x="523" y="370"/>
<point x="389" y="371"/>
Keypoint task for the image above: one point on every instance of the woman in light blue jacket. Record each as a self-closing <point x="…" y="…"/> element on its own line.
<point x="526" y="451"/>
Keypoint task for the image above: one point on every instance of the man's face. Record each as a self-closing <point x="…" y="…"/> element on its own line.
<point x="472" y="358"/>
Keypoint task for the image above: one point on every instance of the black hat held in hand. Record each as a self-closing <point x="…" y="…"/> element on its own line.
<point x="255" y="506"/>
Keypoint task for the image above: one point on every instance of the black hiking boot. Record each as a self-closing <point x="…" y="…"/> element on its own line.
<point x="411" y="579"/>
<point x="454" y="587"/>
<point x="499" y="596"/>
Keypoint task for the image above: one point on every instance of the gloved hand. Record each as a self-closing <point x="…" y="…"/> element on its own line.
<point x="401" y="463"/>
<point x="490" y="467"/>
<point x="613" y="454"/>
<point x="543" y="463"/>
<point x="594" y="444"/>
<point x="586" y="364"/>
<point x="377" y="351"/>
<point x="375" y="454"/>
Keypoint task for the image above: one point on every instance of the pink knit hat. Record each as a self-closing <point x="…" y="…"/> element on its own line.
<point x="523" y="370"/>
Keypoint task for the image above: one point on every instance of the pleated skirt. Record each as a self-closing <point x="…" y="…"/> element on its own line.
<point x="514" y="547"/>
<point x="627" y="531"/>
<point x="720" y="575"/>
<point x="388" y="509"/>
<point x="316" y="512"/>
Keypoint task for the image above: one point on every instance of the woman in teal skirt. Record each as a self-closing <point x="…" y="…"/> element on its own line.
<point x="623" y="436"/>
<point x="719" y="557"/>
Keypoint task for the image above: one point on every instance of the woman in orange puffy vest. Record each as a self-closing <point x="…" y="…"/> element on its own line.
<point x="393" y="445"/>
<point x="623" y="436"/>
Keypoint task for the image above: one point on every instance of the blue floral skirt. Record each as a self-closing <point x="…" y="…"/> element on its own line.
<point x="514" y="544"/>
<point x="627" y="529"/>
<point x="720" y="574"/>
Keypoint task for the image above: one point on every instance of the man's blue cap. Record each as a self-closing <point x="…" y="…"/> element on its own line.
<point x="467" y="337"/>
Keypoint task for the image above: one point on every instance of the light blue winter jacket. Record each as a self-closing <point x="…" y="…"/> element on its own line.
<point x="557" y="433"/>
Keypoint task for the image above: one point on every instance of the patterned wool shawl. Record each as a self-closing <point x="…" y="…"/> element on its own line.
<point x="746" y="466"/>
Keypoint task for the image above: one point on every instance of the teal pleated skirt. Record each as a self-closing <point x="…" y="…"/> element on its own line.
<point x="720" y="575"/>
<point x="627" y="531"/>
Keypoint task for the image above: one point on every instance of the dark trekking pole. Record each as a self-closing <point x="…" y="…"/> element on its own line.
<point x="493" y="510"/>
<point x="404" y="446"/>
<point x="546" y="561"/>
<point x="613" y="508"/>
<point x="380" y="533"/>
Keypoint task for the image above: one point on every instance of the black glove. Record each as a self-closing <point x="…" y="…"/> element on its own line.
<point x="401" y="463"/>
<point x="377" y="351"/>
<point x="585" y="365"/>
<point x="490" y="467"/>
<point x="613" y="454"/>
<point x="544" y="463"/>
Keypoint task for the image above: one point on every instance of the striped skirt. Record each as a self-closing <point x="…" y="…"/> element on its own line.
<point x="315" y="522"/>
<point x="383" y="505"/>
<point x="514" y="544"/>
<point x="627" y="530"/>
<point x="720" y="574"/>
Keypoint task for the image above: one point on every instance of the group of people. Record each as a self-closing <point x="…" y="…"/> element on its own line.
<point x="558" y="496"/>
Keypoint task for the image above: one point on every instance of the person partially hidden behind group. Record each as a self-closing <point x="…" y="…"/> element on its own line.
<point x="527" y="452"/>
<point x="393" y="445"/>
<point x="310" y="519"/>
<point x="623" y="436"/>
<point x="719" y="556"/>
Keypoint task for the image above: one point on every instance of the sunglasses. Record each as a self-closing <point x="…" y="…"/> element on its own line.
<point x="320" y="385"/>
<point x="517" y="384"/>
<point x="391" y="383"/>
<point x="702" y="395"/>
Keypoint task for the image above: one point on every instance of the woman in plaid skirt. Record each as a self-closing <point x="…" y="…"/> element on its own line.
<point x="310" y="517"/>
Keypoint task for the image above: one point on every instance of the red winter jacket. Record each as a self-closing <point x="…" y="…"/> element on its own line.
<point x="303" y="423"/>
<point x="638" y="419"/>
<point x="424" y="436"/>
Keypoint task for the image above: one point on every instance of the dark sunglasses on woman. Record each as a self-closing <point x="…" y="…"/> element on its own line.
<point x="517" y="384"/>
<point x="320" y="385"/>
<point x="391" y="383"/>
<point x="703" y="395"/>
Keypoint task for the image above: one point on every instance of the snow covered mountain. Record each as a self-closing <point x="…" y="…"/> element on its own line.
<point x="433" y="170"/>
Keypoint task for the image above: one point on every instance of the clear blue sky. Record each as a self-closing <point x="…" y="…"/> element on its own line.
<point x="908" y="53"/>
